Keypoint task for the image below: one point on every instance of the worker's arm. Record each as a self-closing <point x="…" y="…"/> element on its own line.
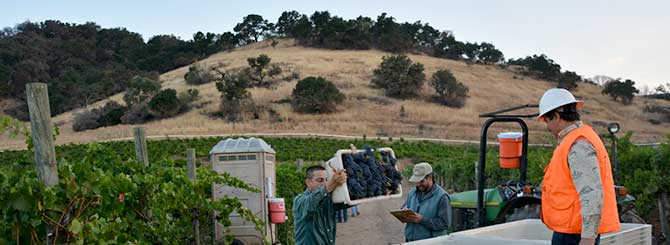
<point x="313" y="201"/>
<point x="585" y="171"/>
<point x="443" y="219"/>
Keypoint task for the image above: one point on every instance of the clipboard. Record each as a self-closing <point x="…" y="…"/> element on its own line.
<point x="402" y="215"/>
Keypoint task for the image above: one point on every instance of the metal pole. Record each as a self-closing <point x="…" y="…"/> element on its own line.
<point x="495" y="113"/>
<point x="481" y="175"/>
<point x="524" y="152"/>
<point x="615" y="160"/>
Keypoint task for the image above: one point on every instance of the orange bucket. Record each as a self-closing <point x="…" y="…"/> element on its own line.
<point x="277" y="210"/>
<point x="510" y="149"/>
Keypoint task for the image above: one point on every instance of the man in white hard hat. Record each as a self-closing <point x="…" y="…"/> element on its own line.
<point x="578" y="199"/>
<point x="430" y="203"/>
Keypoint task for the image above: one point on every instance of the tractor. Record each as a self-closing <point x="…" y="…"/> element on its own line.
<point x="515" y="199"/>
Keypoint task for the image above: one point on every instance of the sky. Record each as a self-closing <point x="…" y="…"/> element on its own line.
<point x="620" y="39"/>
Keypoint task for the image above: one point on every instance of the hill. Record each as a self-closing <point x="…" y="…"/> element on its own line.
<point x="366" y="111"/>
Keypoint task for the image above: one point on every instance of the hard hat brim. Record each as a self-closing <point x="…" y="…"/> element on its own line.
<point x="580" y="105"/>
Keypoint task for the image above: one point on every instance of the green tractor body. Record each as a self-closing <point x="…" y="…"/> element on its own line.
<point x="464" y="207"/>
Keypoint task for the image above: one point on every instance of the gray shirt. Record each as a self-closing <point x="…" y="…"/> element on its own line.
<point x="585" y="171"/>
<point x="443" y="219"/>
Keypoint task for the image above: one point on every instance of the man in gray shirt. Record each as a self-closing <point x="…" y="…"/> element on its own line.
<point x="431" y="206"/>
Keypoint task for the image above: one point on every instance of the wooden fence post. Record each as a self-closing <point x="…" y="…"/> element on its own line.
<point x="192" y="174"/>
<point x="42" y="132"/>
<point x="43" y="139"/>
<point x="141" y="146"/>
<point x="299" y="164"/>
<point x="190" y="160"/>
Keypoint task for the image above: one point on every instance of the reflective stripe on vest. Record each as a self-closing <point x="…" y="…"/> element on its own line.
<point x="561" y="209"/>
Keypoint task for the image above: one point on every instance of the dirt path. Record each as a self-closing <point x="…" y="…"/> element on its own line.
<point x="375" y="225"/>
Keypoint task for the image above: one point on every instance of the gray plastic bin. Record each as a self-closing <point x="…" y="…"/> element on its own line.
<point x="533" y="231"/>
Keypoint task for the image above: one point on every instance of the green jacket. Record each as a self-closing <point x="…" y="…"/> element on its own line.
<point x="314" y="217"/>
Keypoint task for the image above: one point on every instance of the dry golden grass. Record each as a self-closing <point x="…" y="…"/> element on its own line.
<point x="366" y="111"/>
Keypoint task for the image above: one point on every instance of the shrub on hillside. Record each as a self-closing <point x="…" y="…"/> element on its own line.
<point x="450" y="91"/>
<point x="662" y="111"/>
<point x="399" y="77"/>
<point x="136" y="113"/>
<point x="20" y="111"/>
<point x="108" y="115"/>
<point x="187" y="97"/>
<point x="260" y="68"/>
<point x="316" y="95"/>
<point x="568" y="80"/>
<point x="111" y="114"/>
<point x="489" y="54"/>
<point x="540" y="66"/>
<point x="140" y="89"/>
<point x="165" y="104"/>
<point x="234" y="96"/>
<point x="617" y="89"/>
<point x="661" y="92"/>
<point x="197" y="75"/>
<point x="85" y="120"/>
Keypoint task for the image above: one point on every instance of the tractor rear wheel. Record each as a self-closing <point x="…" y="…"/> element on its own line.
<point x="529" y="211"/>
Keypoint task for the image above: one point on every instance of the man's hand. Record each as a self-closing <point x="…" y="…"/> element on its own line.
<point x="415" y="218"/>
<point x="587" y="241"/>
<point x="339" y="178"/>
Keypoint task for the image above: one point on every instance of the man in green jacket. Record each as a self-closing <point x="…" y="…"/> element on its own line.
<point x="313" y="210"/>
<point x="430" y="203"/>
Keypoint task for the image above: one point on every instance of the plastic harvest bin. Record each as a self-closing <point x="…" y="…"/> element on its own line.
<point x="533" y="231"/>
<point x="341" y="193"/>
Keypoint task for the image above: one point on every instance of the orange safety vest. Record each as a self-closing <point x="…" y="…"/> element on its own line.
<point x="561" y="209"/>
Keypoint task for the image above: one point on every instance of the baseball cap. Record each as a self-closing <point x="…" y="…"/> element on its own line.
<point x="420" y="171"/>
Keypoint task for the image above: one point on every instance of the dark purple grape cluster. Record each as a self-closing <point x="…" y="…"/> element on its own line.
<point x="371" y="174"/>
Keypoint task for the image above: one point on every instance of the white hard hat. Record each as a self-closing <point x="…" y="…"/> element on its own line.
<point x="555" y="98"/>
